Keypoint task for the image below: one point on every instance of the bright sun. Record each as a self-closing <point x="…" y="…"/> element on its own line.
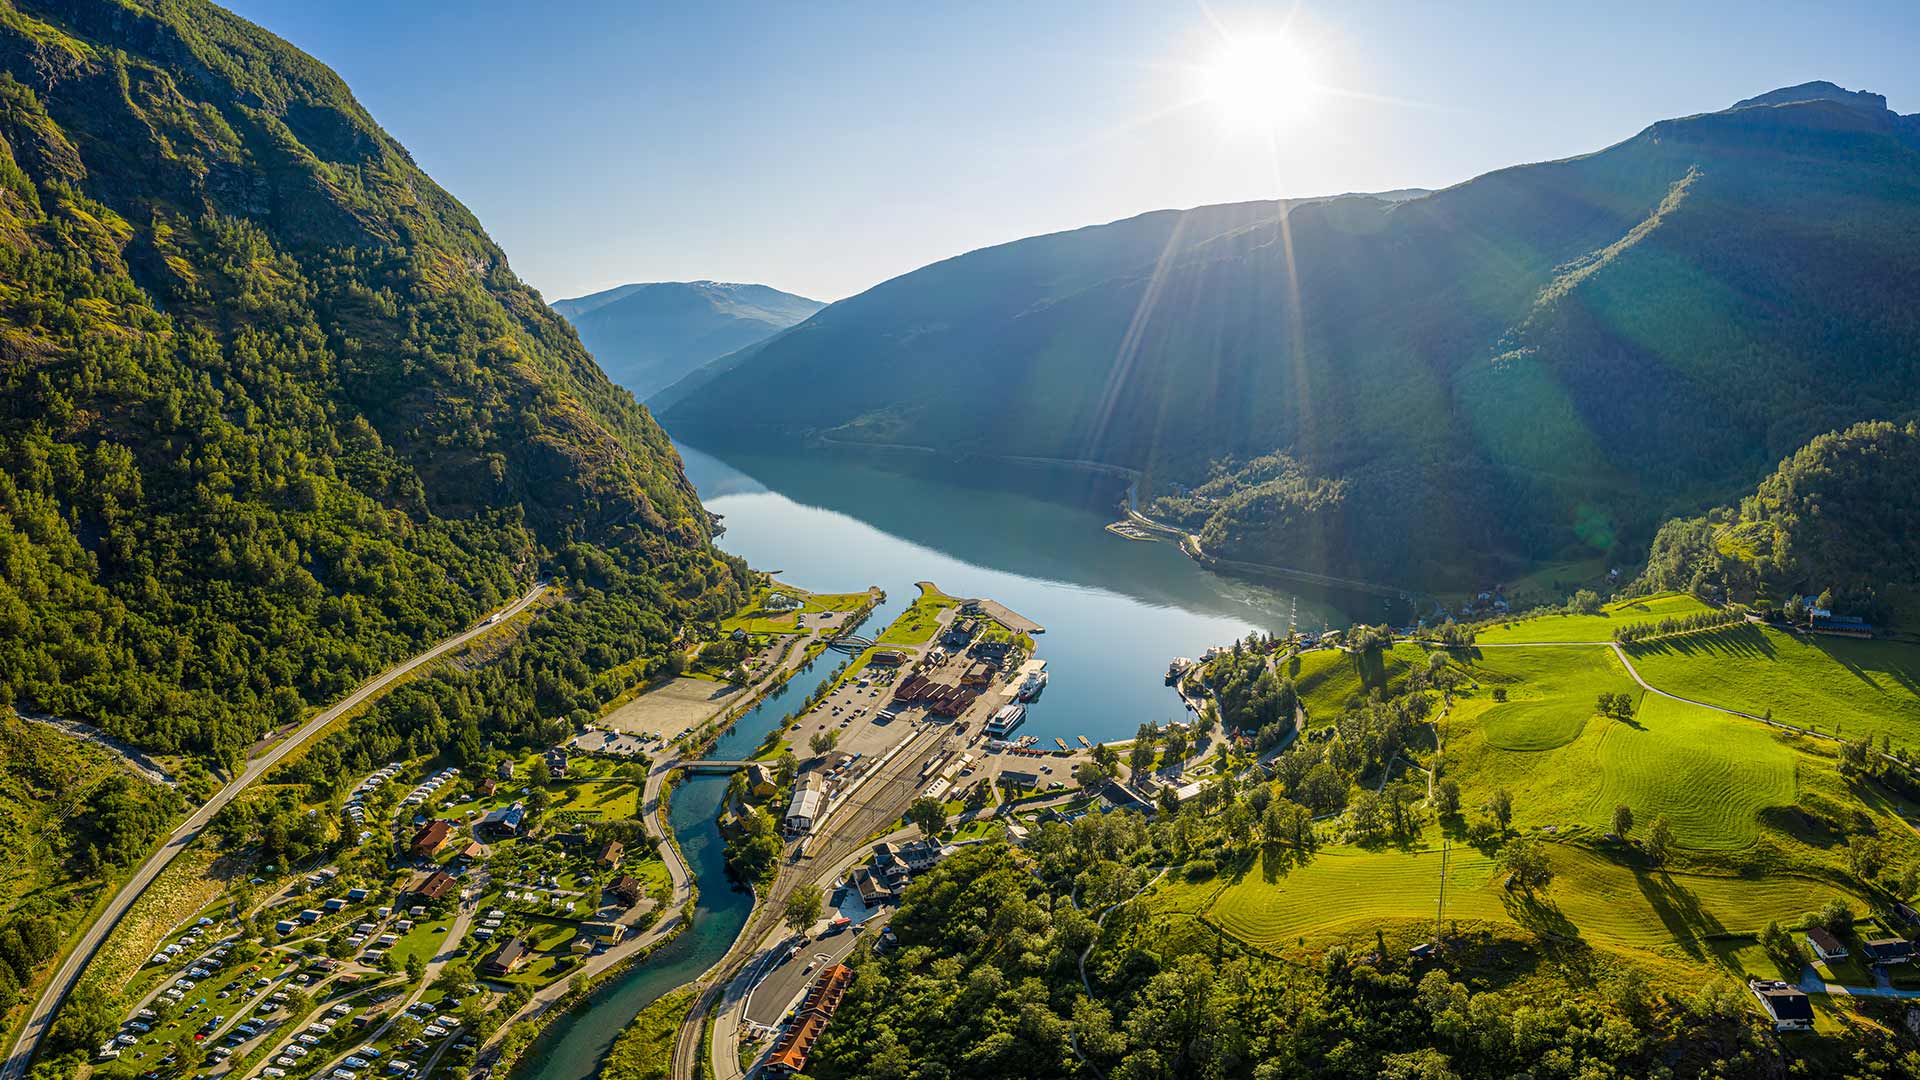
<point x="1260" y="83"/>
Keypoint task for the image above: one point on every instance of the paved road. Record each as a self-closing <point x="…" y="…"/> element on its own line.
<point x="62" y="983"/>
<point x="881" y="799"/>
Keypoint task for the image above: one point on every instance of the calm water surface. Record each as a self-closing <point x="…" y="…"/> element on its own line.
<point x="1115" y="610"/>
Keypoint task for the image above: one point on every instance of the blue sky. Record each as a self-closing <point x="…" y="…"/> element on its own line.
<point x="825" y="147"/>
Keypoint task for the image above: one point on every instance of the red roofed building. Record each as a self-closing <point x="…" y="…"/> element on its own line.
<point x="431" y="837"/>
<point x="790" y="1051"/>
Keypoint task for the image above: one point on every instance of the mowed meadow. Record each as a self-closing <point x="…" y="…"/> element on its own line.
<point x="1830" y="684"/>
<point x="1752" y="808"/>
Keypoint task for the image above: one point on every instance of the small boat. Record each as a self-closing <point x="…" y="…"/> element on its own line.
<point x="1083" y="740"/>
<point x="1062" y="744"/>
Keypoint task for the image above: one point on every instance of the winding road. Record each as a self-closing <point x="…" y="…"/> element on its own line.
<point x="40" y="1020"/>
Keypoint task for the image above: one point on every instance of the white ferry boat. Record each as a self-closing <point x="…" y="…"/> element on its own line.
<point x="1008" y="718"/>
<point x="1031" y="688"/>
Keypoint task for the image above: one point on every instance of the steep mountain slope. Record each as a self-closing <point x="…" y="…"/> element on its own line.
<point x="1840" y="515"/>
<point x="1544" y="361"/>
<point x="648" y="336"/>
<point x="273" y="409"/>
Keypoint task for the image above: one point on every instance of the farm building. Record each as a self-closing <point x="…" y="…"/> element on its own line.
<point x="1887" y="950"/>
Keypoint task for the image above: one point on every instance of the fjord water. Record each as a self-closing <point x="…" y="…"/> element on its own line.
<point x="1115" y="610"/>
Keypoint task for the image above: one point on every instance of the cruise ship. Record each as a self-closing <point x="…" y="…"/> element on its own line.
<point x="1031" y="688"/>
<point x="1008" y="718"/>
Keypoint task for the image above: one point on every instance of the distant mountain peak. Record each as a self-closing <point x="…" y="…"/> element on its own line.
<point x="648" y="335"/>
<point x="1818" y="90"/>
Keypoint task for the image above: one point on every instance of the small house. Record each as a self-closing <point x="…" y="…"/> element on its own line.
<point x="1887" y="950"/>
<point x="1784" y="1003"/>
<point x="431" y="838"/>
<point x="609" y="853"/>
<point x="506" y="959"/>
<point x="760" y="780"/>
<point x="1825" y="946"/>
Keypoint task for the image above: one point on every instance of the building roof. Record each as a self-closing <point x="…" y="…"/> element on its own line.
<point x="1825" y="941"/>
<point x="432" y="835"/>
<point x="610" y="852"/>
<point x="1783" y="1001"/>
<point x="1884" y="949"/>
<point x="805" y="804"/>
<point x="507" y="955"/>
<point x="437" y="884"/>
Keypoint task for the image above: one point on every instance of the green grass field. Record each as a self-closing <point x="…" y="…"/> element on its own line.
<point x="1342" y="890"/>
<point x="1711" y="775"/>
<point x="756" y="619"/>
<point x="1826" y="683"/>
<point x="1551" y="692"/>
<point x="1328" y="679"/>
<point x="1714" y="776"/>
<point x="916" y="625"/>
<point x="1593" y="627"/>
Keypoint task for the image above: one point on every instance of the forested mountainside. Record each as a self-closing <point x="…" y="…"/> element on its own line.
<point x="1545" y="361"/>
<point x="1840" y="516"/>
<point x="274" y="412"/>
<point x="648" y="336"/>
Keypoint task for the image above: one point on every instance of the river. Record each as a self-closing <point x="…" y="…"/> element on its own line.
<point x="1115" y="611"/>
<point x="572" y="1047"/>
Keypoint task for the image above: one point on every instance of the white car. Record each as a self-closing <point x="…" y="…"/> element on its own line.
<point x="356" y="1063"/>
<point x="272" y="1072"/>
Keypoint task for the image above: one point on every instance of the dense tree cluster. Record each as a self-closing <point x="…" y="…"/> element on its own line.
<point x="985" y="983"/>
<point x="1840" y="516"/>
<point x="249" y="458"/>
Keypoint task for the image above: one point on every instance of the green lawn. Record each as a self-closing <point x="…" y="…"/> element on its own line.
<point x="1593" y="627"/>
<point x="916" y="625"/>
<point x="1551" y="692"/>
<point x="1826" y="683"/>
<point x="1714" y="776"/>
<point x="1344" y="890"/>
<point x="608" y="799"/>
<point x="754" y="618"/>
<point x="425" y="940"/>
<point x="1328" y="678"/>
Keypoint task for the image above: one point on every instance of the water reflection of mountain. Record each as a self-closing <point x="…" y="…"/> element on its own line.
<point x="1034" y="521"/>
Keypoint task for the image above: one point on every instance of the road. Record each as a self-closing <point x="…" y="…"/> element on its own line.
<point x="882" y="799"/>
<point x="63" y="981"/>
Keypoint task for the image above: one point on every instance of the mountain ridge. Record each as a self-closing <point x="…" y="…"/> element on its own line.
<point x="1439" y="359"/>
<point x="648" y="335"/>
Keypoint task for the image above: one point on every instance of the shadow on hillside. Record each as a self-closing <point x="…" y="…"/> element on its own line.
<point x="1839" y="650"/>
<point x="1744" y="641"/>
<point x="1539" y="915"/>
<point x="1679" y="911"/>
<point x="1278" y="860"/>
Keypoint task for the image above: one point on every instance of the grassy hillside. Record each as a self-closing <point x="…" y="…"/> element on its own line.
<point x="274" y="411"/>
<point x="1835" y="685"/>
<point x="1597" y="627"/>
<point x="1426" y="392"/>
